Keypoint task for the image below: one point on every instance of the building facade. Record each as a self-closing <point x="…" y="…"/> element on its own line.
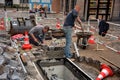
<point x="12" y="2"/>
<point x="44" y="3"/>
<point x="104" y="9"/>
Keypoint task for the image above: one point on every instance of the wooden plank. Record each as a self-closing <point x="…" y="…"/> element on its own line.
<point x="109" y="62"/>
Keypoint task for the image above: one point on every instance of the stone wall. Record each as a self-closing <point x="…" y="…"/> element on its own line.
<point x="116" y="10"/>
<point x="81" y="3"/>
<point x="56" y="6"/>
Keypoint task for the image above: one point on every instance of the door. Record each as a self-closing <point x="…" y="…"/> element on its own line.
<point x="9" y="3"/>
<point x="73" y="3"/>
<point x="67" y="6"/>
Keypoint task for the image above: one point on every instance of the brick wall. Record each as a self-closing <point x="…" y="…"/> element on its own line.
<point x="56" y="6"/>
<point x="81" y="4"/>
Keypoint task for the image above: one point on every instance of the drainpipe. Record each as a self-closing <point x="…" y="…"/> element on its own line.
<point x="64" y="6"/>
<point x="113" y="6"/>
<point x="69" y="5"/>
<point x="119" y="9"/>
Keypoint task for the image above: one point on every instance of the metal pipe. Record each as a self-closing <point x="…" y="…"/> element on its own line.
<point x="112" y="36"/>
<point x="114" y="24"/>
<point x="24" y="69"/>
<point x="76" y="49"/>
<point x="80" y="69"/>
<point x="41" y="78"/>
<point x="111" y="48"/>
<point x="108" y="47"/>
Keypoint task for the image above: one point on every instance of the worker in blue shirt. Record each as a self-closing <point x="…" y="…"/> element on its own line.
<point x="68" y="27"/>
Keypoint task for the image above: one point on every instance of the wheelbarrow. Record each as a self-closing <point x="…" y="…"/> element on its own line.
<point x="82" y="39"/>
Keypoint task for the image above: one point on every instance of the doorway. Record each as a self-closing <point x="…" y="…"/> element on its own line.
<point x="73" y="3"/>
<point x="9" y="3"/>
<point x="67" y="6"/>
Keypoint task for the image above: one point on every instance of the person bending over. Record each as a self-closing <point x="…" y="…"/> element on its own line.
<point x="37" y="34"/>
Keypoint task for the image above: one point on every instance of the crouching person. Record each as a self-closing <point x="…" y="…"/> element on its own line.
<point x="37" y="34"/>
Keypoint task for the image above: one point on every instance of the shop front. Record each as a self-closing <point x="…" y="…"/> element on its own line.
<point x="44" y="3"/>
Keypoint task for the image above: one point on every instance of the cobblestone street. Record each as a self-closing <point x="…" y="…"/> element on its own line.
<point x="95" y="54"/>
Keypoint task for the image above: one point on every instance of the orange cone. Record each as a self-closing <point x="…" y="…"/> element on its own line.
<point x="91" y="40"/>
<point x="106" y="71"/>
<point x="58" y="25"/>
<point x="26" y="44"/>
<point x="2" y="27"/>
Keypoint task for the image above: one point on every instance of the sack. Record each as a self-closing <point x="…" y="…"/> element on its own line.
<point x="103" y="28"/>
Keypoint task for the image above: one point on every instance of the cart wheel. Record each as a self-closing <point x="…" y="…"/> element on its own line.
<point x="84" y="43"/>
<point x="83" y="47"/>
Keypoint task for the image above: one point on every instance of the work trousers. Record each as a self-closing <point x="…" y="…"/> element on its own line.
<point x="68" y="35"/>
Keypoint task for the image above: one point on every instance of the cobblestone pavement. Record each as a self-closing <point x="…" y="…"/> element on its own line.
<point x="89" y="52"/>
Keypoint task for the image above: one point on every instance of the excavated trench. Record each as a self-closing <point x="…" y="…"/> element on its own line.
<point x="56" y="67"/>
<point x="61" y="69"/>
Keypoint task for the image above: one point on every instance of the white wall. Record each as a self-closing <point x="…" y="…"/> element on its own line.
<point x="2" y="1"/>
<point x="16" y="1"/>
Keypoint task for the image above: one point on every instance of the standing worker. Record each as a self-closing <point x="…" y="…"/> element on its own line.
<point x="67" y="27"/>
<point x="37" y="34"/>
<point x="35" y="7"/>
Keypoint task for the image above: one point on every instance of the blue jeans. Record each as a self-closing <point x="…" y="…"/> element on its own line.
<point x="68" y="36"/>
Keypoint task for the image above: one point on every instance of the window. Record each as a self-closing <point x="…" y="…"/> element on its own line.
<point x="45" y="1"/>
<point x="99" y="9"/>
<point x="35" y="0"/>
<point x="24" y="1"/>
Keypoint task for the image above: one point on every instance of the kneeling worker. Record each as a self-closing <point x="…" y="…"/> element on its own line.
<point x="37" y="34"/>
